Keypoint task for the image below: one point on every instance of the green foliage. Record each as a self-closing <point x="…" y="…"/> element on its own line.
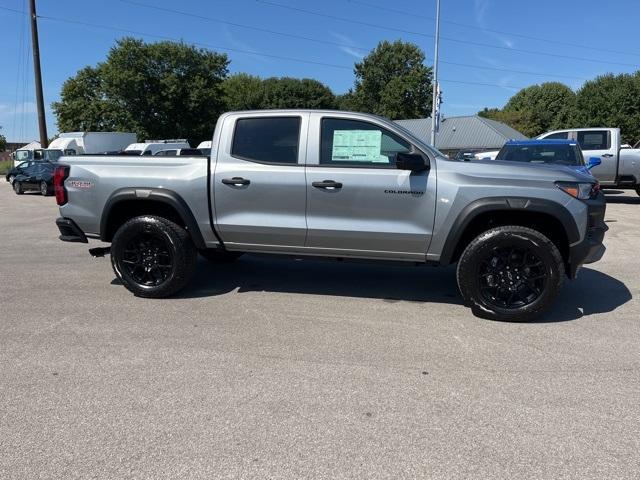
<point x="158" y="90"/>
<point x="3" y="143"/>
<point x="246" y="92"/>
<point x="391" y="81"/>
<point x="5" y="166"/>
<point x="537" y="109"/>
<point x="611" y="101"/>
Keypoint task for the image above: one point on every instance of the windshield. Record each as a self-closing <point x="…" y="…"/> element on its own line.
<point x="549" y="154"/>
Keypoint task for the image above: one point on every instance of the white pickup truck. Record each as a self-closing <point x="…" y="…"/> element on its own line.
<point x="620" y="167"/>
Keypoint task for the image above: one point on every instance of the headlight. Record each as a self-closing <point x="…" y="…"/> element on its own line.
<point x="581" y="191"/>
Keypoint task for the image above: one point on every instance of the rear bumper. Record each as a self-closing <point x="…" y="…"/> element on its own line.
<point x="69" y="231"/>
<point x="590" y="249"/>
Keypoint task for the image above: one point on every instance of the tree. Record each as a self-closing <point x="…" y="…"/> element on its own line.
<point x="391" y="81"/>
<point x="3" y="142"/>
<point x="244" y="92"/>
<point x="158" y="90"/>
<point x="537" y="109"/>
<point x="611" y="101"/>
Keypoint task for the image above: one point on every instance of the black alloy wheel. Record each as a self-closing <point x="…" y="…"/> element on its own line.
<point x="512" y="277"/>
<point x="148" y="259"/>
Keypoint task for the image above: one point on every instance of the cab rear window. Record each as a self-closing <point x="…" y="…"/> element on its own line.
<point x="267" y="140"/>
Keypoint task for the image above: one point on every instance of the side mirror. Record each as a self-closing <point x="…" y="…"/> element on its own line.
<point x="412" y="161"/>
<point x="593" y="162"/>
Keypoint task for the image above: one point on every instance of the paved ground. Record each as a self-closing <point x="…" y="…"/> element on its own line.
<point x="304" y="369"/>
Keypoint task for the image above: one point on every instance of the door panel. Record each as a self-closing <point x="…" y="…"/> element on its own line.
<point x="377" y="210"/>
<point x="381" y="210"/>
<point x="260" y="199"/>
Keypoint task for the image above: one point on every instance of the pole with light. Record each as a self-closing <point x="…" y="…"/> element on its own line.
<point x="435" y="105"/>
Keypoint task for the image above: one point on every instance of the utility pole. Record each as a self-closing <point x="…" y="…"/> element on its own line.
<point x="436" y="94"/>
<point x="42" y="123"/>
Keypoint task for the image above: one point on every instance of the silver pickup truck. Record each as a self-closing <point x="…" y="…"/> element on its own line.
<point x="618" y="168"/>
<point x="342" y="185"/>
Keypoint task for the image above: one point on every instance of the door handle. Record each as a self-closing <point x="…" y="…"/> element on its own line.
<point x="608" y="155"/>
<point x="327" y="184"/>
<point x="236" y="181"/>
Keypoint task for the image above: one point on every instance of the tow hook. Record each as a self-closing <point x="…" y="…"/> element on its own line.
<point x="99" y="252"/>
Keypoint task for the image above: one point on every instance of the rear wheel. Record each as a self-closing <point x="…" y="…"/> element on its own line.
<point x="153" y="256"/>
<point x="510" y="273"/>
<point x="220" y="256"/>
<point x="17" y="187"/>
<point x="44" y="188"/>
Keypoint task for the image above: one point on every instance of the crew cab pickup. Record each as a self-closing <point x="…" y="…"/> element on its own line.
<point x="619" y="167"/>
<point x="343" y="185"/>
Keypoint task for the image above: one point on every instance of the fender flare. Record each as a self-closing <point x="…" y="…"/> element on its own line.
<point x="513" y="204"/>
<point x="161" y="195"/>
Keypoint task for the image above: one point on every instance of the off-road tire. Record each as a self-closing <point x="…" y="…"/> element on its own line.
<point x="470" y="280"/>
<point x="171" y="237"/>
<point x="17" y="187"/>
<point x="220" y="256"/>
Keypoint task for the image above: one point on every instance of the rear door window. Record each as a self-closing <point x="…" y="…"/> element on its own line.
<point x="594" y="140"/>
<point x="273" y="140"/>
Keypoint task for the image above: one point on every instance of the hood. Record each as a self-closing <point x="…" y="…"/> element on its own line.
<point x="517" y="171"/>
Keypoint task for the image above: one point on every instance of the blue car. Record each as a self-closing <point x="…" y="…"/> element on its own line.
<point x="547" y="152"/>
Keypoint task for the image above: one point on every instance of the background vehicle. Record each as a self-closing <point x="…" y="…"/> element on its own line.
<point x="79" y="143"/>
<point x="36" y="177"/>
<point x="180" y="152"/>
<point x="150" y="147"/>
<point x="489" y="155"/>
<point x="18" y="169"/>
<point x="337" y="184"/>
<point x="205" y="147"/>
<point x="546" y="152"/>
<point x="619" y="168"/>
<point x="25" y="153"/>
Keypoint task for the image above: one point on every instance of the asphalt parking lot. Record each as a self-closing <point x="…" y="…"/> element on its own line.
<point x="309" y="369"/>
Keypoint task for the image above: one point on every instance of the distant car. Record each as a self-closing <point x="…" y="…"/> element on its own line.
<point x="466" y="155"/>
<point x="37" y="177"/>
<point x="487" y="155"/>
<point x="180" y="152"/>
<point x="17" y="170"/>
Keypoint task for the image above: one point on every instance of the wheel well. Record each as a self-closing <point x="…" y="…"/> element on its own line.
<point x="544" y="223"/>
<point x="125" y="210"/>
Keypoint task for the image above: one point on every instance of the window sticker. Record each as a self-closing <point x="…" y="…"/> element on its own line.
<point x="357" y="146"/>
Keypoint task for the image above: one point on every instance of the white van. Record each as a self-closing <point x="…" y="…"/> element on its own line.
<point x="151" y="147"/>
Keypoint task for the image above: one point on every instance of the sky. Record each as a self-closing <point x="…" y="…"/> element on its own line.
<point x="489" y="48"/>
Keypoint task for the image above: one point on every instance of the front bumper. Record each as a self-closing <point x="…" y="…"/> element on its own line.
<point x="70" y="231"/>
<point x="590" y="249"/>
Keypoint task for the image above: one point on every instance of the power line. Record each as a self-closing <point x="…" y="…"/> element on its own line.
<point x="327" y="42"/>
<point x="449" y="39"/>
<point x="235" y="24"/>
<point x="248" y="52"/>
<point x="500" y="32"/>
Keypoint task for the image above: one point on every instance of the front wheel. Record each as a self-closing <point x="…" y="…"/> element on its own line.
<point x="44" y="188"/>
<point x="510" y="273"/>
<point x="11" y="179"/>
<point x="152" y="256"/>
<point x="17" y="187"/>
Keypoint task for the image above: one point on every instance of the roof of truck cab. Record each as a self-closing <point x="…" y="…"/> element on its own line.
<point x="553" y="141"/>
